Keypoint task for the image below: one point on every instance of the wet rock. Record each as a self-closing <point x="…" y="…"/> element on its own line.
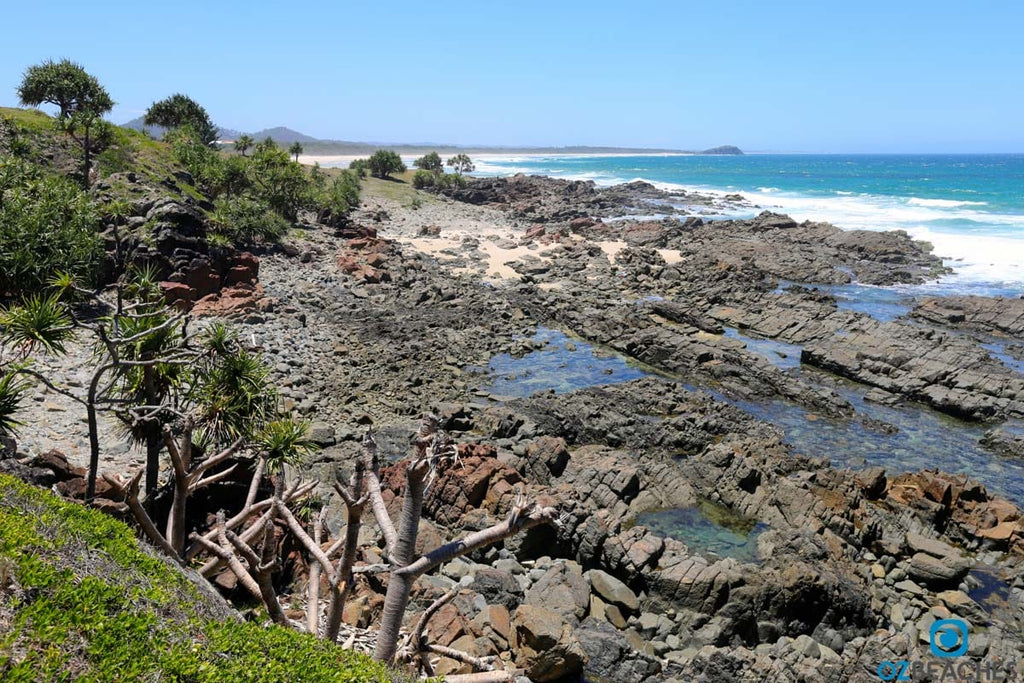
<point x="989" y="314"/>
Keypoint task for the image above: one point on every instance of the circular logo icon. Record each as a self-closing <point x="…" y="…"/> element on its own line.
<point x="948" y="638"/>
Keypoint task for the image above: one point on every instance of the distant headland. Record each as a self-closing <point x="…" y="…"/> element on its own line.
<point x="316" y="147"/>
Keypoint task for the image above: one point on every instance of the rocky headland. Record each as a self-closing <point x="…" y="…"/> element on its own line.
<point x="403" y="310"/>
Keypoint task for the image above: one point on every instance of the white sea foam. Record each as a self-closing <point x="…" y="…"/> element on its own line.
<point x="944" y="203"/>
<point x="983" y="248"/>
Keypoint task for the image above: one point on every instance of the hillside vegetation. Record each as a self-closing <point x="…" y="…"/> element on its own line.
<point x="82" y="599"/>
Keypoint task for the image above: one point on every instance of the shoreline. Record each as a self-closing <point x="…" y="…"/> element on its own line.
<point x="335" y="160"/>
<point x="985" y="263"/>
<point x="411" y="303"/>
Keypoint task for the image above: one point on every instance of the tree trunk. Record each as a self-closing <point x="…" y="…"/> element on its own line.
<point x="88" y="158"/>
<point x="94" y="434"/>
<point x="399" y="586"/>
<point x="348" y="558"/>
<point x="154" y="442"/>
<point x="176" y="519"/>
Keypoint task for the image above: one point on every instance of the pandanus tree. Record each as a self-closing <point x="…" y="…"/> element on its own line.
<point x="250" y="555"/>
<point x="78" y="95"/>
<point x="461" y="163"/>
<point x="180" y="111"/>
<point x="39" y="323"/>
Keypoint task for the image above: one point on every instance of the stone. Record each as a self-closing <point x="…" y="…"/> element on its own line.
<point x="322" y="434"/>
<point x="561" y="588"/>
<point x="933" y="571"/>
<point x="931" y="546"/>
<point x="546" y="646"/>
<point x="615" y="617"/>
<point x="909" y="587"/>
<point x="806" y="646"/>
<point x="613" y="590"/>
<point x="497" y="587"/>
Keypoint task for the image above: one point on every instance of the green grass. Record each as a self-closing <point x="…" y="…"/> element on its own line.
<point x="398" y="189"/>
<point x="31" y="119"/>
<point x="81" y="599"/>
<point x="129" y="150"/>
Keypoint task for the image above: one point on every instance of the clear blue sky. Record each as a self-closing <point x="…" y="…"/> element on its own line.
<point x="815" y="75"/>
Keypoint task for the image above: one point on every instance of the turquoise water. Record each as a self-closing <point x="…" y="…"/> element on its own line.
<point x="971" y="207"/>
<point x="707" y="529"/>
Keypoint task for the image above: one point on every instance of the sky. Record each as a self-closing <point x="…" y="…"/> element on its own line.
<point x="807" y="76"/>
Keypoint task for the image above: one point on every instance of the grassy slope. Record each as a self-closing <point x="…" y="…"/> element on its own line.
<point x="81" y="599"/>
<point x="398" y="188"/>
<point x="129" y="150"/>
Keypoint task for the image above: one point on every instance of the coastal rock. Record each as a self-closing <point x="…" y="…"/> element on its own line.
<point x="989" y="314"/>
<point x="546" y="646"/>
<point x="933" y="571"/>
<point x="612" y="590"/>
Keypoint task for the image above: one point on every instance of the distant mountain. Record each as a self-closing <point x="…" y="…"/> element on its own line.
<point x="285" y="136"/>
<point x="724" y="149"/>
<point x="158" y="131"/>
<point x="281" y="135"/>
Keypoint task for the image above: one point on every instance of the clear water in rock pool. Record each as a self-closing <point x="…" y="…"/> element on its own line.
<point x="779" y="354"/>
<point x="924" y="438"/>
<point x="991" y="591"/>
<point x="707" y="529"/>
<point x="562" y="365"/>
<point x="881" y="303"/>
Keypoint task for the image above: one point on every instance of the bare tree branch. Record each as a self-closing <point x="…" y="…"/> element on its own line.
<point x="522" y="517"/>
<point x="130" y="490"/>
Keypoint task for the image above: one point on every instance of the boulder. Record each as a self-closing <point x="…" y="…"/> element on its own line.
<point x="547" y="648"/>
<point x="612" y="590"/>
<point x="936" y="572"/>
<point x="561" y="588"/>
<point x="498" y="587"/>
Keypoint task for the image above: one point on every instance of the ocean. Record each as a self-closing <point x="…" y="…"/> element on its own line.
<point x="970" y="207"/>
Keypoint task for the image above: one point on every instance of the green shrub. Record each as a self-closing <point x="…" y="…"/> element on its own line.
<point x="447" y="181"/>
<point x="204" y="164"/>
<point x="47" y="225"/>
<point x="430" y="162"/>
<point x="244" y="221"/>
<point x="385" y="162"/>
<point x="279" y="181"/>
<point x="359" y="166"/>
<point x="339" y="198"/>
<point x="424" y="179"/>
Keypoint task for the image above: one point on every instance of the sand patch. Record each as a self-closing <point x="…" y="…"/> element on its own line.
<point x="670" y="255"/>
<point x="611" y="248"/>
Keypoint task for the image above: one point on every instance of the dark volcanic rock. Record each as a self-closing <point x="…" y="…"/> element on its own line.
<point x="988" y="314"/>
